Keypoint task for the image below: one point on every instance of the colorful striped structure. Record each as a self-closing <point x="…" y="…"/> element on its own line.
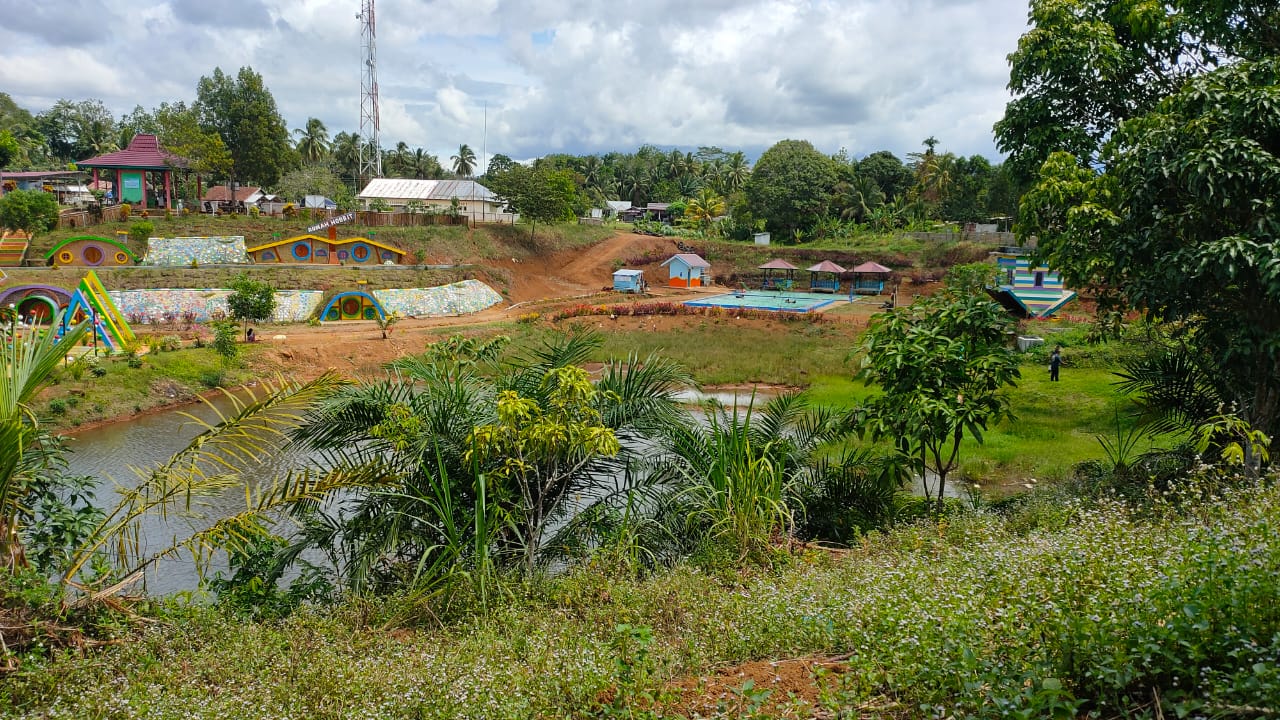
<point x="355" y="305"/>
<point x="13" y="248"/>
<point x="1031" y="291"/>
<point x="317" y="250"/>
<point x="91" y="300"/>
<point x="40" y="303"/>
<point x="90" y="251"/>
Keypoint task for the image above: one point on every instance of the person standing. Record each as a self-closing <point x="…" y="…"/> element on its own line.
<point x="1055" y="362"/>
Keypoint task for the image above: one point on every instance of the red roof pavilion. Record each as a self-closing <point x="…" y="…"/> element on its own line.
<point x="131" y="166"/>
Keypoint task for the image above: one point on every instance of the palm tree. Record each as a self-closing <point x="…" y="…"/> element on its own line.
<point x="346" y="153"/>
<point x="313" y="140"/>
<point x="736" y="172"/>
<point x="705" y="207"/>
<point x="26" y="360"/>
<point x="425" y="166"/>
<point x="464" y="163"/>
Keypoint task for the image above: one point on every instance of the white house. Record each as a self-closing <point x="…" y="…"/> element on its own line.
<point x="476" y="200"/>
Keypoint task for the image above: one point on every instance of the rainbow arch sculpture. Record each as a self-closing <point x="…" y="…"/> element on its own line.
<point x="91" y="300"/>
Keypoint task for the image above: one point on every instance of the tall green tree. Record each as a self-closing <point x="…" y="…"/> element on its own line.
<point x="9" y="148"/>
<point x="313" y="141"/>
<point x="790" y="186"/>
<point x="538" y="194"/>
<point x="1183" y="224"/>
<point x="242" y="111"/>
<point x="464" y="163"/>
<point x="251" y="300"/>
<point x="943" y="366"/>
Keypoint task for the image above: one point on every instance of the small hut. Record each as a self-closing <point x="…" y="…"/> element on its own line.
<point x="628" y="281"/>
<point x="90" y="251"/>
<point x="687" y="270"/>
<point x="868" y="279"/>
<point x="778" y="283"/>
<point x="820" y="284"/>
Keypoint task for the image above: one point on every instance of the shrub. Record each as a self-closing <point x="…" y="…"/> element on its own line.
<point x="125" y="209"/>
<point x="97" y="370"/>
<point x="58" y="406"/>
<point x="141" y="230"/>
<point x="528" y="318"/>
<point x="212" y="378"/>
<point x="225" y="334"/>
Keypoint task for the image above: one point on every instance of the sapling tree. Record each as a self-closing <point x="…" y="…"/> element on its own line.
<point x="251" y="300"/>
<point x="943" y="364"/>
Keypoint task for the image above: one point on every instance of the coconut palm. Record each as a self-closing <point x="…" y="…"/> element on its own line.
<point x="464" y="163"/>
<point x="704" y="207"/>
<point x="27" y="358"/>
<point x="313" y="140"/>
<point x="736" y="172"/>
<point x="424" y="165"/>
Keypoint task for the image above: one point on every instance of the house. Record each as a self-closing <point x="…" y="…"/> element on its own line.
<point x="90" y="251"/>
<point x="316" y="250"/>
<point x="614" y="208"/>
<point x="131" y="167"/>
<point x="474" y="200"/>
<point x="218" y="198"/>
<point x="1028" y="290"/>
<point x="628" y="281"/>
<point x="687" y="270"/>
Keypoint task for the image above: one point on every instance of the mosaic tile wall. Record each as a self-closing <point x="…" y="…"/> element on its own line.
<point x="180" y="251"/>
<point x="459" y="298"/>
<point x="158" y="305"/>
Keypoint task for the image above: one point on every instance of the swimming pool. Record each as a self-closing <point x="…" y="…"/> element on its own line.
<point x="779" y="301"/>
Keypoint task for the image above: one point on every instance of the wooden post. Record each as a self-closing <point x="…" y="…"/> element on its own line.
<point x="168" y="190"/>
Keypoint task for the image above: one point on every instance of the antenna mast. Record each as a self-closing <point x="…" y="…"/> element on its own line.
<point x="370" y="151"/>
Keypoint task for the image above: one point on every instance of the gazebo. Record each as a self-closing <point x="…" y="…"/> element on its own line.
<point x="777" y="283"/>
<point x="868" y="279"/>
<point x="820" y="285"/>
<point x="131" y="165"/>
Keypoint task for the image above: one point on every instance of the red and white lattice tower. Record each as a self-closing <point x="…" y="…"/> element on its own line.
<point x="370" y="153"/>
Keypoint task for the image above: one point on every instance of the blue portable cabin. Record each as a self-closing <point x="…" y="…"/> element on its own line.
<point x="1029" y="290"/>
<point x="687" y="270"/>
<point x="628" y="281"/>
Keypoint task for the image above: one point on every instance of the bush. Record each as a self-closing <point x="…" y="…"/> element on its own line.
<point x="212" y="378"/>
<point x="225" y="334"/>
<point x="141" y="230"/>
<point x="58" y="406"/>
<point x="125" y="209"/>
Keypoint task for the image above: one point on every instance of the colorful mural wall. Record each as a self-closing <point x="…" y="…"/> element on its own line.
<point x="316" y="250"/>
<point x="13" y="248"/>
<point x="460" y="298"/>
<point x="147" y="306"/>
<point x="183" y="251"/>
<point x="90" y="251"/>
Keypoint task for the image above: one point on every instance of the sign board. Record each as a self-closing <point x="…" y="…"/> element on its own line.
<point x="335" y="220"/>
<point x="133" y="183"/>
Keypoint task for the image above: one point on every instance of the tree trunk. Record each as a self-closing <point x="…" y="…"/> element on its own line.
<point x="13" y="554"/>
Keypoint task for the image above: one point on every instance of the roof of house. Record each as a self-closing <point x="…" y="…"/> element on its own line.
<point x="35" y="174"/>
<point x="627" y="272"/>
<point x="778" y="264"/>
<point x="220" y="193"/>
<point x="444" y="190"/>
<point x="343" y="241"/>
<point x="657" y="206"/>
<point x="618" y="205"/>
<point x="144" y="152"/>
<point x="826" y="266"/>
<point x="688" y="259"/>
<point x="871" y="267"/>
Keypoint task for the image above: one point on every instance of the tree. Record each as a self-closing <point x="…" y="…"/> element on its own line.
<point x="790" y="186"/>
<point x="1087" y="65"/>
<point x="498" y="164"/>
<point x="9" y="148"/>
<point x="538" y="194"/>
<point x="26" y="361"/>
<point x="889" y="173"/>
<point x="942" y="364"/>
<point x="313" y="141"/>
<point x="1183" y="224"/>
<point x="251" y="300"/>
<point x="243" y="113"/>
<point x="465" y="161"/>
<point x="32" y="211"/>
<point x="76" y="131"/>
<point x="310" y="179"/>
<point x="704" y="207"/>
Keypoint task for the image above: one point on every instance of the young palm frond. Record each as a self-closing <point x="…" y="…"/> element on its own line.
<point x="213" y="463"/>
<point x="1175" y="390"/>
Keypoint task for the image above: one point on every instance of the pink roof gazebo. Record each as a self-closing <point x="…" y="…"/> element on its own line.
<point x="826" y="266"/>
<point x="132" y="164"/>
<point x="868" y="279"/>
<point x="777" y="264"/>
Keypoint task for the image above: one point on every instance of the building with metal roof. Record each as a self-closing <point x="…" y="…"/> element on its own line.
<point x="474" y="199"/>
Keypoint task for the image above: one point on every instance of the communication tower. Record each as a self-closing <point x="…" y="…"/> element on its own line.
<point x="370" y="152"/>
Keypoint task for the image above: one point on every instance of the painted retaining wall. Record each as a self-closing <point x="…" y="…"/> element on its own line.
<point x="143" y="306"/>
<point x="460" y="298"/>
<point x="182" y="251"/>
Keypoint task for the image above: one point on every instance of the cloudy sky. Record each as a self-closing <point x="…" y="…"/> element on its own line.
<point x="565" y="76"/>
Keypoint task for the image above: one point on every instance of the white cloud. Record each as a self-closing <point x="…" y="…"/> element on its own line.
<point x="569" y="75"/>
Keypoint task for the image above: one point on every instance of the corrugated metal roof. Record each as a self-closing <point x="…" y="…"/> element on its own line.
<point x="689" y="259"/>
<point x="443" y="190"/>
<point x="627" y="273"/>
<point x="143" y="152"/>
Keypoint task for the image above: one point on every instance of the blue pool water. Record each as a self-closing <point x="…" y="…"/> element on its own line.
<point x="778" y="301"/>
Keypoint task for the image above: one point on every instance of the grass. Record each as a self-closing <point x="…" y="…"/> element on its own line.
<point x="164" y="378"/>
<point x="1095" y="609"/>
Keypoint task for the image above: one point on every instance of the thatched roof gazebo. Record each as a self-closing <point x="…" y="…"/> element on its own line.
<point x="778" y="283"/>
<point x="817" y="284"/>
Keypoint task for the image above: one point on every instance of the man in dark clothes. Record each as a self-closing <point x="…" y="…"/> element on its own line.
<point x="1055" y="362"/>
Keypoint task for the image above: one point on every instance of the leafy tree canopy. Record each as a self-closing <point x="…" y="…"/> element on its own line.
<point x="310" y="179"/>
<point x="1183" y="224"/>
<point x="242" y="111"/>
<point x="32" y="211"/>
<point x="251" y="300"/>
<point x="790" y="186"/>
<point x="539" y="194"/>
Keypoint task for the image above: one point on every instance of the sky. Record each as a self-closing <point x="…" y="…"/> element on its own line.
<point x="575" y="76"/>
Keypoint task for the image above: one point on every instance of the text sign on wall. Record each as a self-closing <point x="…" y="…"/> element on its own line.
<point x="335" y="220"/>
